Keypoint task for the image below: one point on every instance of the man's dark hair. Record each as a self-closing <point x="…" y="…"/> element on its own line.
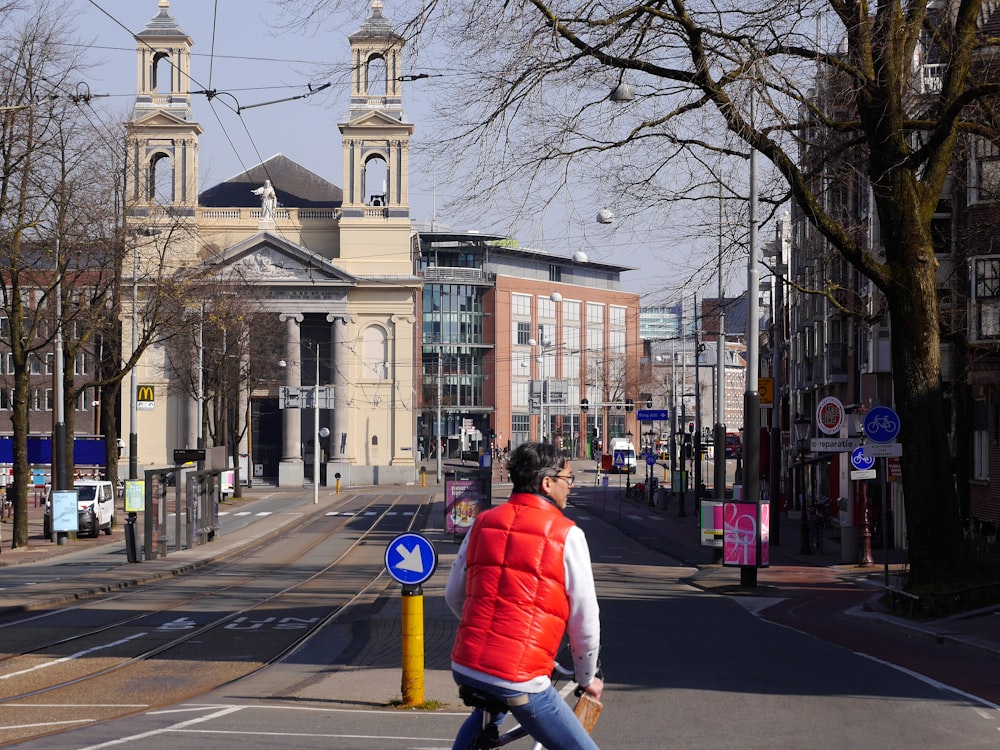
<point x="530" y="462"/>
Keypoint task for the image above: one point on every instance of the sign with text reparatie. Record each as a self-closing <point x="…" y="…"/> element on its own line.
<point x="833" y="445"/>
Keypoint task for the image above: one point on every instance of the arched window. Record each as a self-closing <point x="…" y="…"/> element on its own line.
<point x="376" y="181"/>
<point x="375" y="353"/>
<point x="162" y="72"/>
<point x="160" y="185"/>
<point x="376" y="82"/>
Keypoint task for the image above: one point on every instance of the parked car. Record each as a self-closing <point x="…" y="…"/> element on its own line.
<point x="95" y="506"/>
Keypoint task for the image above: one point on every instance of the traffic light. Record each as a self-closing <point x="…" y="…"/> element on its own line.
<point x="629" y="404"/>
<point x="584" y="404"/>
<point x="649" y="402"/>
<point x="691" y="428"/>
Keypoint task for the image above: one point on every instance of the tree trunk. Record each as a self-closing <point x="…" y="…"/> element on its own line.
<point x="932" y="517"/>
<point x="22" y="471"/>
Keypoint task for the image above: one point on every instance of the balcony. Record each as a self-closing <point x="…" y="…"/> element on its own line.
<point x="456" y="275"/>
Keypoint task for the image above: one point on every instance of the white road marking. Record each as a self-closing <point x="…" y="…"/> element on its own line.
<point x="154" y="733"/>
<point x="77" y="655"/>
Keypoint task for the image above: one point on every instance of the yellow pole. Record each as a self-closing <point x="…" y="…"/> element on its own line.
<point x="423" y="476"/>
<point x="413" y="646"/>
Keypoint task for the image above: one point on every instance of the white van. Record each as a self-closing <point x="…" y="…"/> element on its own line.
<point x="95" y="506"/>
<point x="623" y="448"/>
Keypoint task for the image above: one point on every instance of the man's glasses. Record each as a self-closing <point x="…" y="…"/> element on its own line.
<point x="569" y="478"/>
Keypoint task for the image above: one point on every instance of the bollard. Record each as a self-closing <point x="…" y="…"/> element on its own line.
<point x="337" y="477"/>
<point x="423" y="476"/>
<point x="413" y="646"/>
<point x="131" y="547"/>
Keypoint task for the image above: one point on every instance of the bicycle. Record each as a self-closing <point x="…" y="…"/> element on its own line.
<point x="816" y="529"/>
<point x="491" y="706"/>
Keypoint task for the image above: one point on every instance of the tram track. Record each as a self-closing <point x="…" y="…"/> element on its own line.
<point x="200" y="635"/>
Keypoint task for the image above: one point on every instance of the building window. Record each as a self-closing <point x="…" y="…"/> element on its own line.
<point x="49" y="363"/>
<point x="616" y="316"/>
<point x="520" y="305"/>
<point x="980" y="441"/>
<point x="595" y="312"/>
<point x="10" y="363"/>
<point x="520" y="363"/>
<point x="35" y="365"/>
<point x="522" y="333"/>
<point x="571" y="310"/>
<point x="35" y="399"/>
<point x="519" y="394"/>
<point x="5" y="399"/>
<point x="616" y="342"/>
<point x="546" y="308"/>
<point x="985" y="319"/>
<point x="987" y="180"/>
<point x="80" y="366"/>
<point x="555" y="272"/>
<point x="49" y="402"/>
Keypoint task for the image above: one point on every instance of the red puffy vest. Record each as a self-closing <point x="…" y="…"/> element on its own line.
<point x="516" y="606"/>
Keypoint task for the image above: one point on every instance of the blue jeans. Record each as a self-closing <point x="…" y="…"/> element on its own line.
<point x="546" y="716"/>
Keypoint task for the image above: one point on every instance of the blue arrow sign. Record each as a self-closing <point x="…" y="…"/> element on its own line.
<point x="410" y="559"/>
<point x="860" y="461"/>
<point x="652" y="415"/>
<point x="882" y="424"/>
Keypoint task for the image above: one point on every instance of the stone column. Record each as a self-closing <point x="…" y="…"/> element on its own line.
<point x="339" y="445"/>
<point x="290" y="470"/>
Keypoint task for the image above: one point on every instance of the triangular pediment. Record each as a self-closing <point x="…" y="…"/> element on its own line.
<point x="377" y="119"/>
<point x="268" y="259"/>
<point x="160" y="119"/>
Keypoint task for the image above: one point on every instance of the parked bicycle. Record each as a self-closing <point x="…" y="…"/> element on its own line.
<point x="815" y="518"/>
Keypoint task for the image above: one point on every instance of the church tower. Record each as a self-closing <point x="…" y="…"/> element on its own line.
<point x="162" y="136"/>
<point x="375" y="219"/>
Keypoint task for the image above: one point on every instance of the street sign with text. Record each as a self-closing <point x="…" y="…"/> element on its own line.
<point x="863" y="474"/>
<point x="884" y="450"/>
<point x="833" y="445"/>
<point x="652" y="415"/>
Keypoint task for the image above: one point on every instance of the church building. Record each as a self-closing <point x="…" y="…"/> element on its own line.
<point x="331" y="268"/>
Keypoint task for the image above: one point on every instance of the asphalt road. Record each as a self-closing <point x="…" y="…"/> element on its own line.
<point x="685" y="668"/>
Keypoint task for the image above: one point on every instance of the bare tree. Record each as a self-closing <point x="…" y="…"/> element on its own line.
<point x="228" y="331"/>
<point x="709" y="81"/>
<point x="39" y="142"/>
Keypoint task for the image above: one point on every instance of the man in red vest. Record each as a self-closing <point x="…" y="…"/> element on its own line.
<point x="521" y="581"/>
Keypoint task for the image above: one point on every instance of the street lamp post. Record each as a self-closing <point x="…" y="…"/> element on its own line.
<point x="802" y="427"/>
<point x="628" y="470"/>
<point x="650" y="436"/>
<point x="318" y="432"/>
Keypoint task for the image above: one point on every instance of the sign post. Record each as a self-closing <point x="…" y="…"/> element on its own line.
<point x="411" y="559"/>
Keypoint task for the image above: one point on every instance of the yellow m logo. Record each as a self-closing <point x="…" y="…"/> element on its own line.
<point x="145" y="393"/>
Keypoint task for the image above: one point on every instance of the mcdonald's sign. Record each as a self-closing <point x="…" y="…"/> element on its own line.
<point x="145" y="397"/>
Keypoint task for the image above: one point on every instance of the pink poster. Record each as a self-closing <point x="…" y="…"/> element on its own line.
<point x="745" y="534"/>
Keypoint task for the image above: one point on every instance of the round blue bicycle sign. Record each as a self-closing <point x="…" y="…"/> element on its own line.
<point x="882" y="424"/>
<point x="860" y="461"/>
